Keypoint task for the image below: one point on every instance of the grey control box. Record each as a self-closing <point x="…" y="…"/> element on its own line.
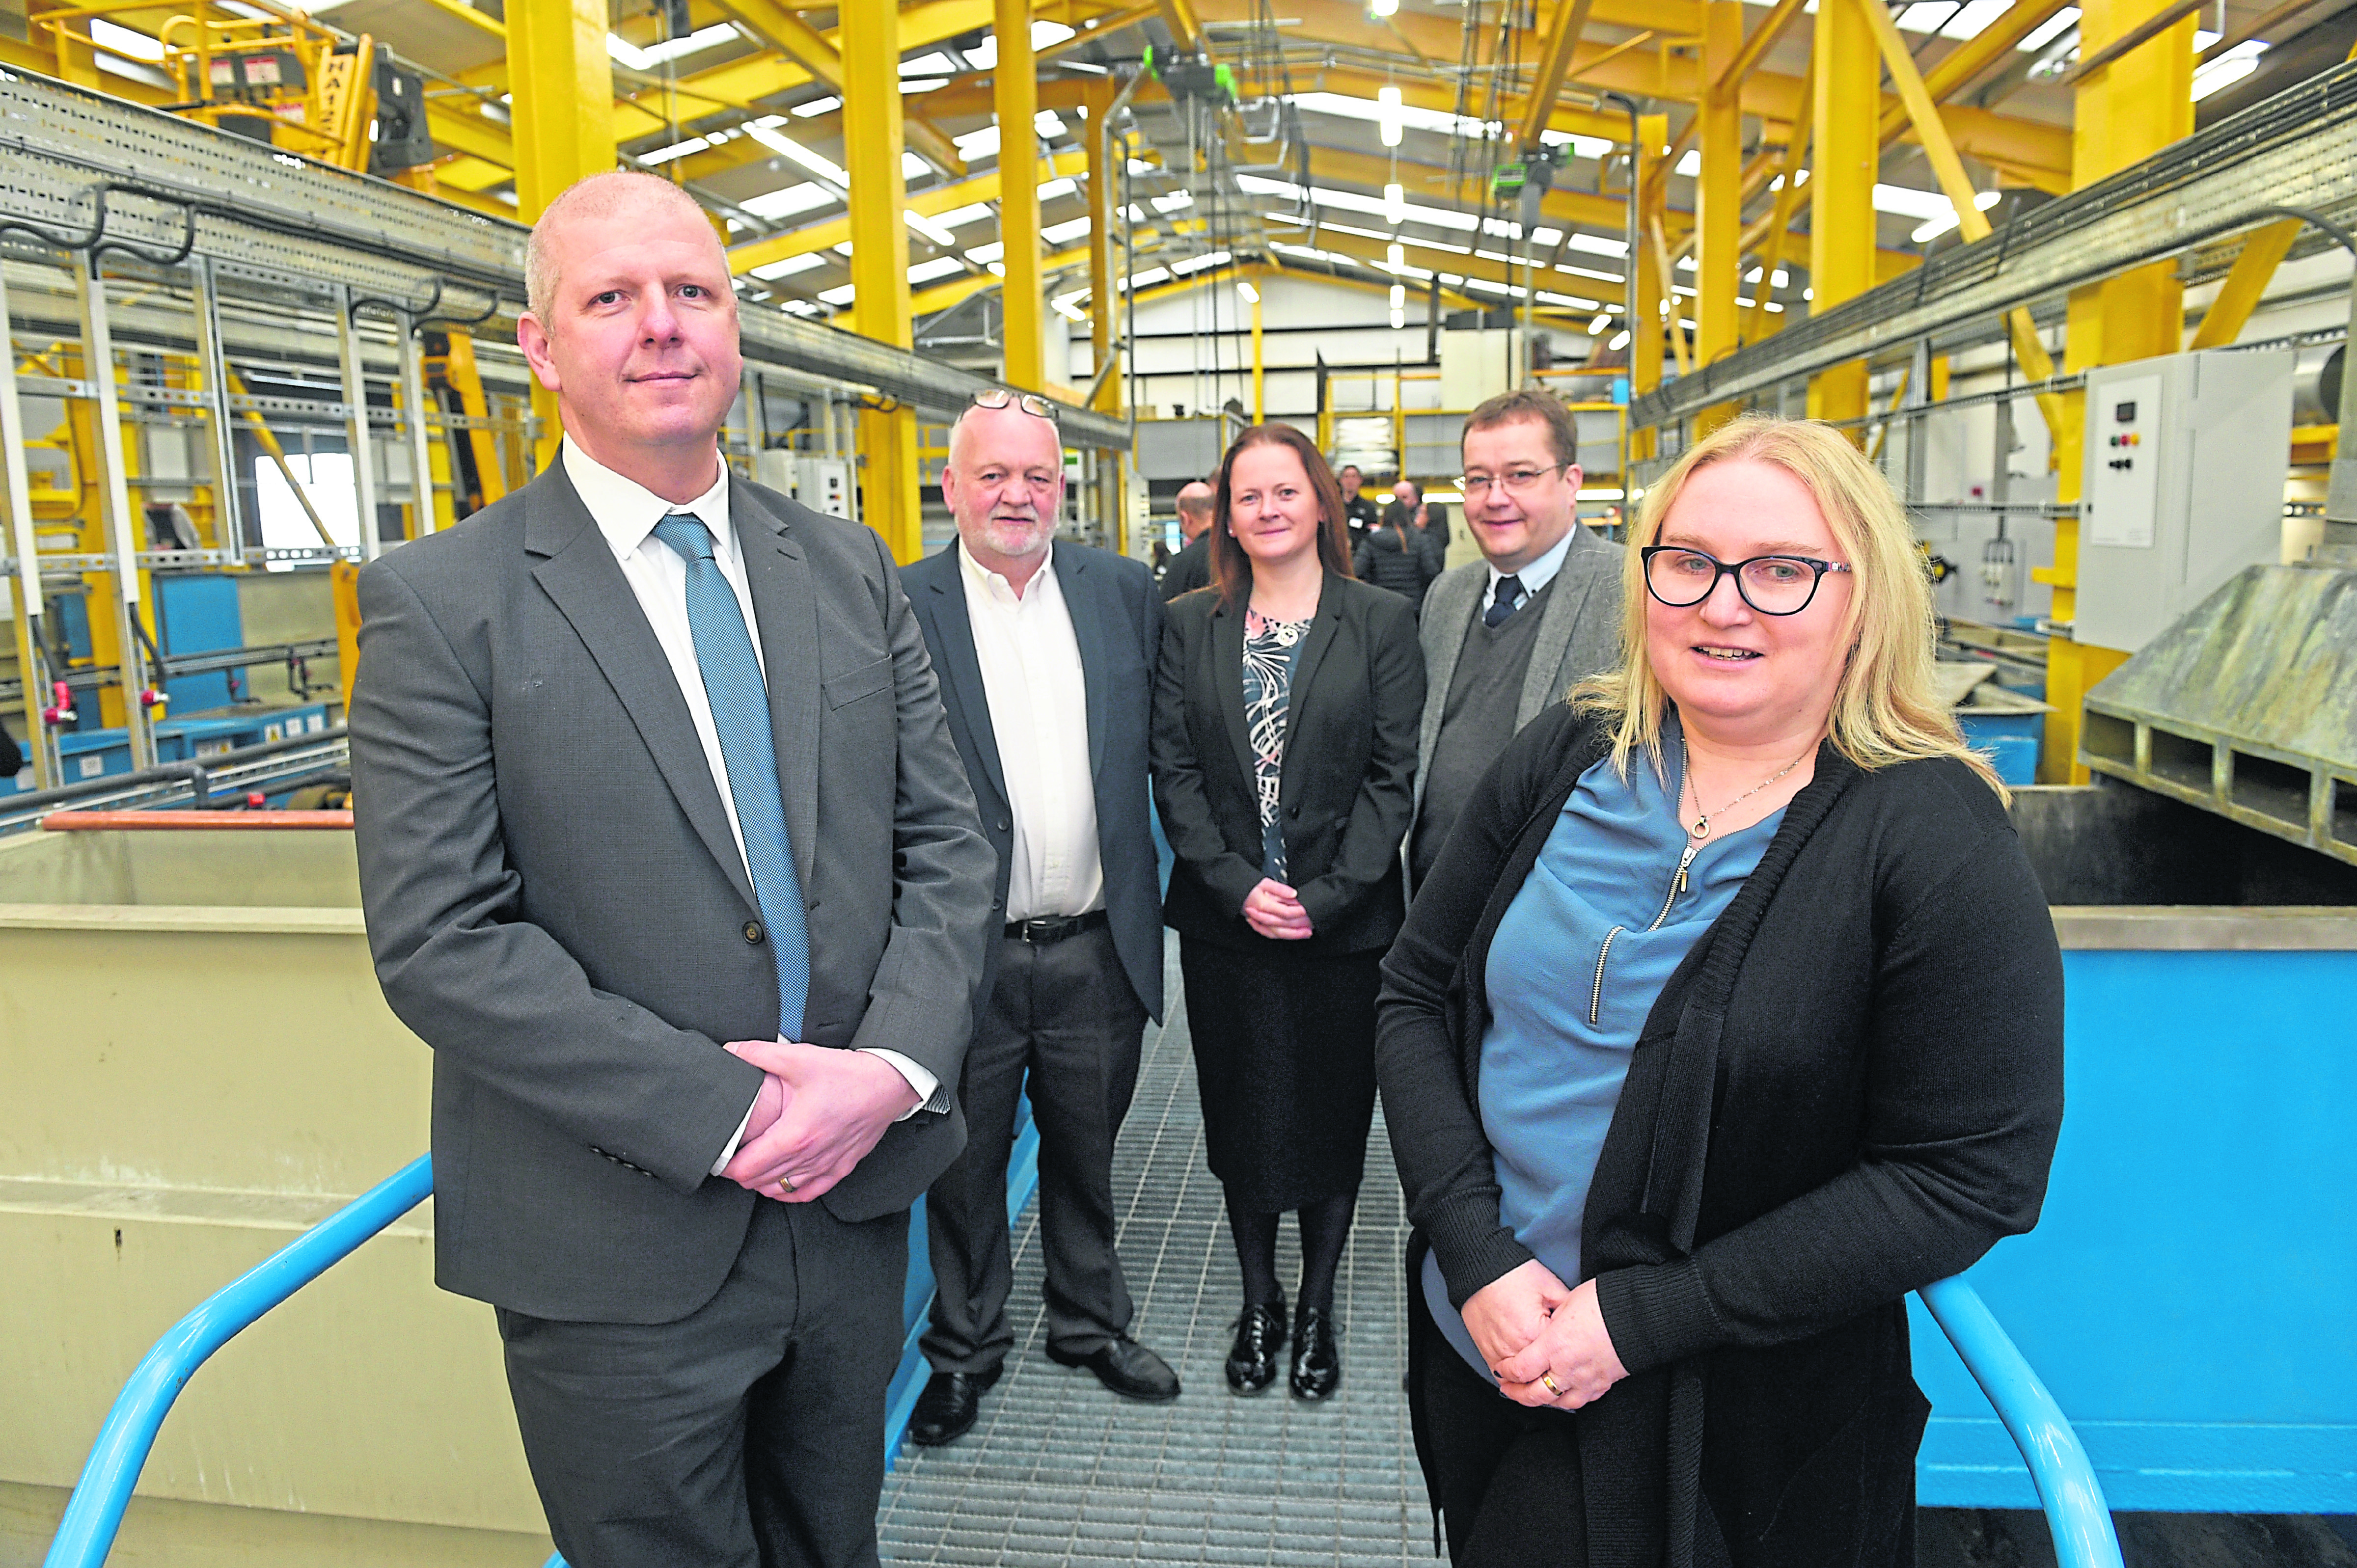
<point x="2182" y="487"/>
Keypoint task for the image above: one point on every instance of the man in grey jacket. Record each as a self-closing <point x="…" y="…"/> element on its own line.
<point x="666" y="852"/>
<point x="1507" y="635"/>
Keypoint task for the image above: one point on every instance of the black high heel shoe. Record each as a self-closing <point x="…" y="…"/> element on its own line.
<point x="1317" y="1358"/>
<point x="1251" y="1362"/>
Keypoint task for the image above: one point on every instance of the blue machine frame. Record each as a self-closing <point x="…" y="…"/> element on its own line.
<point x="2065" y="1482"/>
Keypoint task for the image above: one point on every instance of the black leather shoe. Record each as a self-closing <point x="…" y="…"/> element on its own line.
<point x="1317" y="1359"/>
<point x="1252" y="1362"/>
<point x="946" y="1410"/>
<point x="1127" y="1368"/>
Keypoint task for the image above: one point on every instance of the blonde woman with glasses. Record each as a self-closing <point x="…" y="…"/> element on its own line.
<point x="1730" y="1012"/>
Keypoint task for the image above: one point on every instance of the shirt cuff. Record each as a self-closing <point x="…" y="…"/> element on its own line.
<point x="931" y="1095"/>
<point x="736" y="1137"/>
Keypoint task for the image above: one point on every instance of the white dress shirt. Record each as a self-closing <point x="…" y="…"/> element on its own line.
<point x="626" y="512"/>
<point x="1532" y="577"/>
<point x="1039" y="700"/>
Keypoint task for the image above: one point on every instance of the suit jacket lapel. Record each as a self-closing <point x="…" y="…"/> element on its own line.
<point x="1305" y="675"/>
<point x="1091" y="618"/>
<point x="945" y="602"/>
<point x="785" y="610"/>
<point x="1574" y="581"/>
<point x="580" y="573"/>
<point x="1227" y="679"/>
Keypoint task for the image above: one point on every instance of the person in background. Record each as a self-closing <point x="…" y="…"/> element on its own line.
<point x="1506" y="635"/>
<point x="1191" y="568"/>
<point x="1358" y="512"/>
<point x="1046" y="651"/>
<point x="1284" y="712"/>
<point x="1730" y="1014"/>
<point x="616" y="743"/>
<point x="1397" y="554"/>
<point x="1432" y="520"/>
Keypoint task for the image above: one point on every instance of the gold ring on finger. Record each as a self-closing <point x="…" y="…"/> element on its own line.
<point x="1546" y="1381"/>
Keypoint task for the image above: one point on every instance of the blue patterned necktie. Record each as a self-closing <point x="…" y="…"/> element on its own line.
<point x="1503" y="603"/>
<point x="740" y="712"/>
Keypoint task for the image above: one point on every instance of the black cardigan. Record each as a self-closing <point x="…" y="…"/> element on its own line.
<point x="1851" y="1088"/>
<point x="1350" y="768"/>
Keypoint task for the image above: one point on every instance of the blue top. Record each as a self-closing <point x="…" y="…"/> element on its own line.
<point x="1581" y="954"/>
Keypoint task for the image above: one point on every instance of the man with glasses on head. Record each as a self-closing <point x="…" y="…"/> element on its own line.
<point x="1047" y="652"/>
<point x="1507" y="635"/>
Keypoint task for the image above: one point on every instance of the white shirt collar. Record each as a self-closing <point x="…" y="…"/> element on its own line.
<point x="1539" y="572"/>
<point x="626" y="511"/>
<point x="995" y="583"/>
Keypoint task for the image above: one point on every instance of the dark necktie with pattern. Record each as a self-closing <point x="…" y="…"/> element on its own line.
<point x="1503" y="604"/>
<point x="740" y="712"/>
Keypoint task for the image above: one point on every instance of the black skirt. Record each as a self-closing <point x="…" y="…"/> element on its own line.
<point x="1284" y="1061"/>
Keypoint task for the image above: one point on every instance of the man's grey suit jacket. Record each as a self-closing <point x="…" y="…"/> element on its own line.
<point x="1579" y="634"/>
<point x="557" y="904"/>
<point x="1117" y="624"/>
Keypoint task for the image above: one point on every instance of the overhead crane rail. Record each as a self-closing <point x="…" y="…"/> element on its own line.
<point x="177" y="188"/>
<point x="2297" y="149"/>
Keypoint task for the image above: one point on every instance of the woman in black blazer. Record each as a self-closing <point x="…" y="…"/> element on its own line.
<point x="1730" y="1014"/>
<point x="1284" y="730"/>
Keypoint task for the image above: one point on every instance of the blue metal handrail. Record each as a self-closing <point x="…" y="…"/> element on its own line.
<point x="94" y="1512"/>
<point x="2059" y="1466"/>
<point x="2075" y="1511"/>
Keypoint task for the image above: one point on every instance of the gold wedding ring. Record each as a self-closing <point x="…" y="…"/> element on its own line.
<point x="786" y="1184"/>
<point x="1546" y="1381"/>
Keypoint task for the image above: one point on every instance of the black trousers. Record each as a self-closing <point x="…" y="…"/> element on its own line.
<point x="1504" y="1477"/>
<point x="1063" y="1017"/>
<point x="748" y="1434"/>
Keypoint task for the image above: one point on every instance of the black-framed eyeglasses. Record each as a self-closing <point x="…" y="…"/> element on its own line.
<point x="1516" y="482"/>
<point x="1772" y="584"/>
<point x="1029" y="403"/>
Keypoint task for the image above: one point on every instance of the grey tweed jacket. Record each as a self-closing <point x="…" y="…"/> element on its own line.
<point x="1579" y="634"/>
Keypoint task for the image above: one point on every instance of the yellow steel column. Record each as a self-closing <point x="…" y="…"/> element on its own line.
<point x="2122" y="113"/>
<point x="1099" y="96"/>
<point x="1847" y="142"/>
<point x="1718" y="201"/>
<point x="1646" y="329"/>
<point x="879" y="260"/>
<point x="1015" y="94"/>
<point x="1260" y="402"/>
<point x="562" y="122"/>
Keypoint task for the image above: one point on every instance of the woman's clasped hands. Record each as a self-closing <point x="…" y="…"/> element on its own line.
<point x="1274" y="911"/>
<point x="1546" y="1341"/>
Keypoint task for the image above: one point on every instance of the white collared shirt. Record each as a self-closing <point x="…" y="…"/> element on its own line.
<point x="1536" y="576"/>
<point x="1038" y="698"/>
<point x="626" y="513"/>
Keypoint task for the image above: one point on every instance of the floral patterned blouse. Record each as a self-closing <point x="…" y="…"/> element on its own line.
<point x="1270" y="647"/>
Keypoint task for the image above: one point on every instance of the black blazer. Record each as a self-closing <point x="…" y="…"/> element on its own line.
<point x="1851" y="1088"/>
<point x="1117" y="621"/>
<point x="1350" y="768"/>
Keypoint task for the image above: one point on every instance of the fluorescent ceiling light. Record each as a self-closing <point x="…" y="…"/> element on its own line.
<point x="2049" y="30"/>
<point x="842" y="294"/>
<point x="1172" y="203"/>
<point x="1581" y="146"/>
<point x="933" y="63"/>
<point x="1066" y="304"/>
<point x="107" y="35"/>
<point x="928" y="227"/>
<point x="1909" y="202"/>
<point x="1394" y="203"/>
<point x="912" y="85"/>
<point x="1596" y="328"/>
<point x="1071" y="229"/>
<point x="2230" y="66"/>
<point x="1245" y="292"/>
<point x="1058" y="188"/>
<point x="1620" y="340"/>
<point x="787" y="147"/>
<point x="790" y="265"/>
<point x="816" y="106"/>
<point x="676" y="150"/>
<point x="1597" y="245"/>
<point x="787" y="202"/>
<point x="959" y="216"/>
<point x="982" y="255"/>
<point x="936" y="269"/>
<point x="1690" y="166"/>
<point x="1388" y="115"/>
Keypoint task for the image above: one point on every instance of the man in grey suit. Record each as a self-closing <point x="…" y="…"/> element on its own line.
<point x="1507" y="635"/>
<point x="1047" y="652"/>
<point x="666" y="853"/>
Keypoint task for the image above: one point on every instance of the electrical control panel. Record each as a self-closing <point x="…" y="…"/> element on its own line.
<point x="822" y="484"/>
<point x="2182" y="485"/>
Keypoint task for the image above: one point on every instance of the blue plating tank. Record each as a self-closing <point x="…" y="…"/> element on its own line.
<point x="2188" y="1293"/>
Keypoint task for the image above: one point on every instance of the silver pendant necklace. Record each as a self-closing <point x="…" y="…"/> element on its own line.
<point x="1700" y="829"/>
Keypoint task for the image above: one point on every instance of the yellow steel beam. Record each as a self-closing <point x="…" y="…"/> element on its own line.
<point x="1645" y="332"/>
<point x="2239" y="294"/>
<point x="1971" y="222"/>
<point x="1101" y="95"/>
<point x="1570" y="21"/>
<point x="870" y="41"/>
<point x="1958" y="68"/>
<point x="1429" y="94"/>
<point x="1731" y="72"/>
<point x="1178" y="15"/>
<point x="562" y="84"/>
<point x="1762" y="321"/>
<point x="942" y="296"/>
<point x="1847" y="133"/>
<point x="926" y="203"/>
<point x="781" y="29"/>
<point x="1017" y="100"/>
<point x="1719" y="191"/>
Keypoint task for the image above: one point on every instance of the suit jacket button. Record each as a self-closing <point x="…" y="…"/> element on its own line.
<point x="753" y="931"/>
<point x="1005" y="826"/>
<point x="1293" y="811"/>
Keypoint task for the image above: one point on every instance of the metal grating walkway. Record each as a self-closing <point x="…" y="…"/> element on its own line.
<point x="1057" y="1472"/>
